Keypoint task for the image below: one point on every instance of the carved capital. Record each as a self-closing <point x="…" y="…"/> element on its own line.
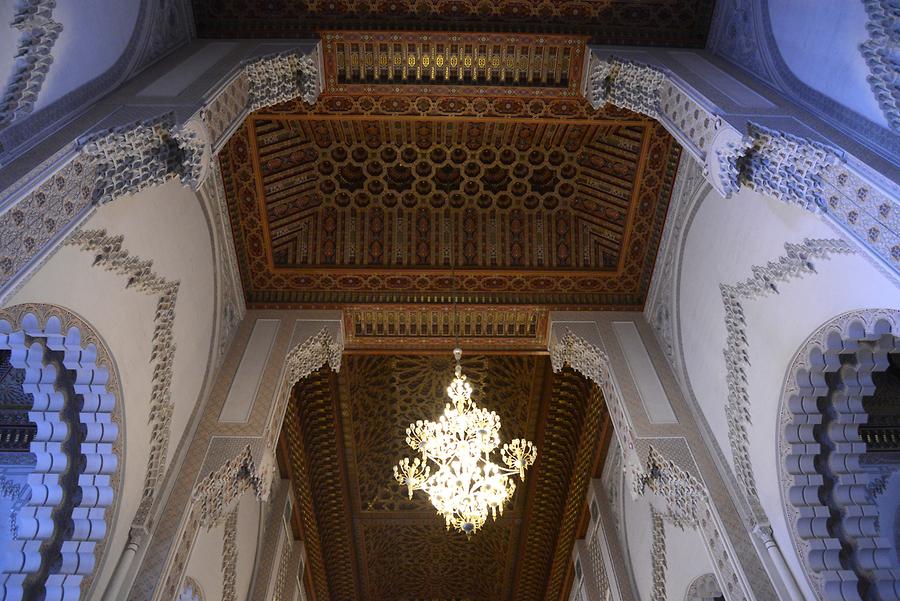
<point x="286" y="76"/>
<point x="624" y="84"/>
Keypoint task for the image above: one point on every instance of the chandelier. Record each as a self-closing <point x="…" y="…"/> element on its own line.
<point x="455" y="467"/>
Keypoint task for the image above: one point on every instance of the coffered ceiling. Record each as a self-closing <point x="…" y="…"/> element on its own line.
<point x="366" y="540"/>
<point x="682" y="23"/>
<point x="409" y="200"/>
<point x="448" y="182"/>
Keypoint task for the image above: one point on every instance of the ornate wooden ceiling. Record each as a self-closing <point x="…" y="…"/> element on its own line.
<point x="366" y="540"/>
<point x="463" y="63"/>
<point x="682" y="23"/>
<point x="416" y="199"/>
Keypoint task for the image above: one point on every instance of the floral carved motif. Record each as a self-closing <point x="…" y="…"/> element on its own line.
<point x="229" y="557"/>
<point x="658" y="556"/>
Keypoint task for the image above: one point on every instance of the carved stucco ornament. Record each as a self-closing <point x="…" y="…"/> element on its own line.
<point x="687" y="501"/>
<point x="817" y="534"/>
<point x="790" y="168"/>
<point x="253" y="467"/>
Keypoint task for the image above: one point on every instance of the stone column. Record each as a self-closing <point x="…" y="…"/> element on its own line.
<point x="136" y="539"/>
<point x="764" y="534"/>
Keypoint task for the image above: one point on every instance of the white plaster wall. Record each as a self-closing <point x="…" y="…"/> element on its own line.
<point x="165" y="224"/>
<point x="638" y="537"/>
<point x="248" y="532"/>
<point x="686" y="559"/>
<point x="725" y="240"/>
<point x="686" y="556"/>
<point x="94" y="35"/>
<point x="205" y="562"/>
<point x="819" y="40"/>
<point x="9" y="40"/>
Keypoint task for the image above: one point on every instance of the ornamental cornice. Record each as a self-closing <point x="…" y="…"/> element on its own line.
<point x="658" y="556"/>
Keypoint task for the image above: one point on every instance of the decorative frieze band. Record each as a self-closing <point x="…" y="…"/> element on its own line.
<point x="34" y="18"/>
<point x="230" y="557"/>
<point x="658" y="556"/>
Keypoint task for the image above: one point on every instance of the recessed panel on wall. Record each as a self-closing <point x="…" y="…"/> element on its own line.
<point x="724" y="82"/>
<point x="177" y="79"/>
<point x="653" y="397"/>
<point x="246" y="380"/>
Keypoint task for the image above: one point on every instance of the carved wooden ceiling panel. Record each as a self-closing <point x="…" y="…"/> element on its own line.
<point x="682" y="23"/>
<point x="462" y="63"/>
<point x="399" y="199"/>
<point x="365" y="538"/>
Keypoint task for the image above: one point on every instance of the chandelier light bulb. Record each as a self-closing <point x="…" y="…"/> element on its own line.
<point x="455" y="468"/>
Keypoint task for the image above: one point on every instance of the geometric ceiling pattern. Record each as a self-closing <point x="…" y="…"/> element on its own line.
<point x="676" y="23"/>
<point x="412" y="199"/>
<point x="366" y="539"/>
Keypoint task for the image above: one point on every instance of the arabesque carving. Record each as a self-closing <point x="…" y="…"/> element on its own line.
<point x="798" y="261"/>
<point x="69" y="391"/>
<point x="34" y="19"/>
<point x="687" y="499"/>
<point x="880" y="54"/>
<point x="109" y="253"/>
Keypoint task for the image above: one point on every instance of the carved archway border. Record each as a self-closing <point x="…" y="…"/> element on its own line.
<point x="703" y="588"/>
<point x="192" y="587"/>
<point x="804" y="380"/>
<point x="100" y="358"/>
<point x="254" y="467"/>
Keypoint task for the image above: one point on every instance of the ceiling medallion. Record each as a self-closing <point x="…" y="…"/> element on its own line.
<point x="466" y="487"/>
